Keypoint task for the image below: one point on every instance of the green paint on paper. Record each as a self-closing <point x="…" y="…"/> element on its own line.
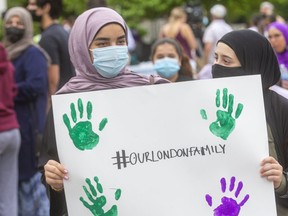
<point x="80" y="107"/>
<point x="97" y="200"/>
<point x="224" y="98"/>
<point x="82" y="134"/>
<point x="203" y="114"/>
<point x="73" y="112"/>
<point x="118" y="194"/>
<point x="225" y="123"/>
<point x="217" y="100"/>
<point x="103" y="123"/>
<point x="89" y="110"/>
<point x="239" y="110"/>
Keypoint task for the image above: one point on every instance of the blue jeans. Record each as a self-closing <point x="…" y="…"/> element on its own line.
<point x="33" y="199"/>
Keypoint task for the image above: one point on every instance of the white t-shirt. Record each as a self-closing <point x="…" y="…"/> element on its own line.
<point x="213" y="33"/>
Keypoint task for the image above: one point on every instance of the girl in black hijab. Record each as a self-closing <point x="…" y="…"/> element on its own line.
<point x="245" y="52"/>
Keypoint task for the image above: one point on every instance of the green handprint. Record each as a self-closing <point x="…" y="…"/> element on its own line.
<point x="81" y="134"/>
<point x="225" y="123"/>
<point x="98" y="202"/>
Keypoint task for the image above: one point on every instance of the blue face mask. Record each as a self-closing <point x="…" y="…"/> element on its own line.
<point x="167" y="67"/>
<point x="109" y="61"/>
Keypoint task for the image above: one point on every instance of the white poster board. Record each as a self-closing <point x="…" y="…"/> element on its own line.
<point x="160" y="154"/>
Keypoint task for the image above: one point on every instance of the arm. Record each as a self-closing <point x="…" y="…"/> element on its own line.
<point x="207" y="50"/>
<point x="34" y="76"/>
<point x="271" y="169"/>
<point x="161" y="32"/>
<point x="51" y="46"/>
<point x="189" y="35"/>
<point x="53" y="78"/>
<point x="55" y="173"/>
<point x="48" y="165"/>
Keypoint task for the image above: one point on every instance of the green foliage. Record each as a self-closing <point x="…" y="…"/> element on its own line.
<point x="14" y="3"/>
<point x="134" y="11"/>
<point x="74" y="7"/>
<point x="137" y="10"/>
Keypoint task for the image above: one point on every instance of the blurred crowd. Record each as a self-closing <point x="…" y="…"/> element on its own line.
<point x="198" y="42"/>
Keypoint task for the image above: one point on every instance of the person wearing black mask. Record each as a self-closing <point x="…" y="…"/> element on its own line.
<point x="14" y="34"/>
<point x="31" y="66"/>
<point x="31" y="7"/>
<point x="245" y="52"/>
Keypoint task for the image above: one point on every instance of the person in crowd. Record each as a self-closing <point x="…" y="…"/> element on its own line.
<point x="245" y="52"/>
<point x="9" y="138"/>
<point x="170" y="62"/>
<point x="131" y="41"/>
<point x="278" y="37"/>
<point x="266" y="9"/>
<point x="68" y="22"/>
<point x="255" y="22"/>
<point x="178" y="29"/>
<point x="96" y="34"/>
<point x="54" y="40"/>
<point x="214" y="31"/>
<point x="31" y="66"/>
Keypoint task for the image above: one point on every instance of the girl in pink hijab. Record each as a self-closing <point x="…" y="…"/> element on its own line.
<point x="111" y="58"/>
<point x="99" y="53"/>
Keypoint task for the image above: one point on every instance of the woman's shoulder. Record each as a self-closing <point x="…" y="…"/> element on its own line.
<point x="279" y="104"/>
<point x="33" y="49"/>
<point x="34" y="52"/>
<point x="279" y="97"/>
<point x="185" y="26"/>
<point x="185" y="29"/>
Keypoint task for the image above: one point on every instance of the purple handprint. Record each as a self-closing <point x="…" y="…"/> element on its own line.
<point x="229" y="206"/>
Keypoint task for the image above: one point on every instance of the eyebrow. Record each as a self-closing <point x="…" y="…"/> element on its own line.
<point x="107" y="39"/>
<point x="101" y="39"/>
<point x="121" y="37"/>
<point x="226" y="56"/>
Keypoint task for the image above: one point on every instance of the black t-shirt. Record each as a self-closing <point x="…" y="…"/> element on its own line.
<point x="54" y="40"/>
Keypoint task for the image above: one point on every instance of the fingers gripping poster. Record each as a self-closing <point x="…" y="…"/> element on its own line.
<point x="190" y="148"/>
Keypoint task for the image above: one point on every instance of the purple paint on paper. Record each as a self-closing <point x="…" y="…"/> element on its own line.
<point x="223" y="185"/>
<point x="208" y="199"/>
<point x="232" y="183"/>
<point x="239" y="188"/>
<point x="229" y="206"/>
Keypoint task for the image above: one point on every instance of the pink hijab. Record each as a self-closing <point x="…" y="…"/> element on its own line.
<point x="87" y="78"/>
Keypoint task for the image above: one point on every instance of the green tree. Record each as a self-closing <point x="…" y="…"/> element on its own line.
<point x="134" y="11"/>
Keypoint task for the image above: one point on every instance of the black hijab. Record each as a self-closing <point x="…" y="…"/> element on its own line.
<point x="256" y="56"/>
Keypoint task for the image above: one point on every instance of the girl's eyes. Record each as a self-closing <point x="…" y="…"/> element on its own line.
<point x="227" y="61"/>
<point x="122" y="42"/>
<point x="159" y="56"/>
<point x="223" y="60"/>
<point x="171" y="56"/>
<point x="101" y="44"/>
<point x="105" y="44"/>
<point x="163" y="56"/>
<point x="18" y="24"/>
